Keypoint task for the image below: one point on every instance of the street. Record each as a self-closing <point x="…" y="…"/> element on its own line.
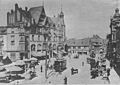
<point x="82" y="77"/>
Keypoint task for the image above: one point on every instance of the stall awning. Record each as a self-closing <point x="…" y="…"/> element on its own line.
<point x="13" y="68"/>
<point x="38" y="53"/>
<point x="19" y="62"/>
<point x="33" y="59"/>
<point x="3" y="74"/>
<point x="55" y="52"/>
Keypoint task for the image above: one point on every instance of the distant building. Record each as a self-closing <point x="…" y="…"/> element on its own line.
<point x="97" y="43"/>
<point x="83" y="46"/>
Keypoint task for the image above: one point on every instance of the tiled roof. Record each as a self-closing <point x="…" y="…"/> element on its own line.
<point x="79" y="42"/>
<point x="55" y="20"/>
<point x="36" y="12"/>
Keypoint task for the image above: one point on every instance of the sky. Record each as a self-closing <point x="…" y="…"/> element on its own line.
<point x="83" y="18"/>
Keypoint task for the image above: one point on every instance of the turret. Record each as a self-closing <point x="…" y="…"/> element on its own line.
<point x="61" y="14"/>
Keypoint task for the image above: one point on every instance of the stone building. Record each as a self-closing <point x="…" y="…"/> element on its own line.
<point x="80" y="46"/>
<point x="114" y="40"/>
<point x="83" y="46"/>
<point x="31" y="33"/>
<point x="3" y="42"/>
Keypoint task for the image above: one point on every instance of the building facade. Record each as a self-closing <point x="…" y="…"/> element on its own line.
<point x="114" y="39"/>
<point x="31" y="33"/>
<point x="84" y="46"/>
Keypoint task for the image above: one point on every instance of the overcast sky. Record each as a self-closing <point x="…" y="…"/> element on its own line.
<point x="83" y="18"/>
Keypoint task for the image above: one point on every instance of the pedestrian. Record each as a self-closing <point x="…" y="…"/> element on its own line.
<point x="82" y="63"/>
<point x="49" y="82"/>
<point x="108" y="71"/>
<point x="72" y="70"/>
<point x="41" y="68"/>
<point x="65" y="80"/>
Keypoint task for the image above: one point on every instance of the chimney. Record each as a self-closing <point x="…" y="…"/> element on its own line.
<point x="26" y="8"/>
<point x="16" y="5"/>
<point x="11" y="11"/>
<point x="8" y="18"/>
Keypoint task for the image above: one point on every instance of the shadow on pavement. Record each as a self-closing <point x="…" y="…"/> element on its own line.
<point x="117" y="69"/>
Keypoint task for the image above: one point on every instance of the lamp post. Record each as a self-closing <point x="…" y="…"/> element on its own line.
<point x="46" y="49"/>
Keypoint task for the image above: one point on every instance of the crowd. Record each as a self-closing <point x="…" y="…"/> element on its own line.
<point x="99" y="66"/>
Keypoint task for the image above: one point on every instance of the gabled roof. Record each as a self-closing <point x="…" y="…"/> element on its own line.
<point x="36" y="12"/>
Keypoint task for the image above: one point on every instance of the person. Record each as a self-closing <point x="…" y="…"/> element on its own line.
<point x="72" y="70"/>
<point x="82" y="63"/>
<point x="65" y="80"/>
<point x="41" y="68"/>
<point x="108" y="71"/>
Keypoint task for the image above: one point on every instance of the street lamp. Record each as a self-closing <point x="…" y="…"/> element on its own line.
<point x="46" y="49"/>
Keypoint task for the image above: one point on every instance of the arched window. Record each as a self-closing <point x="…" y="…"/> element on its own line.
<point x="44" y="46"/>
<point x="32" y="37"/>
<point x="39" y="47"/>
<point x="54" y="46"/>
<point x="33" y="47"/>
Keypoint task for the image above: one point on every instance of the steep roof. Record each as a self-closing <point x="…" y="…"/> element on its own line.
<point x="56" y="20"/>
<point x="36" y="12"/>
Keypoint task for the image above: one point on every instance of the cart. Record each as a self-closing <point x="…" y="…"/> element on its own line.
<point x="60" y="65"/>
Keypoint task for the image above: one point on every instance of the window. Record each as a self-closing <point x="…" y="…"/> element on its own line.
<point x="12" y="42"/>
<point x="44" y="46"/>
<point x="38" y="37"/>
<point x="54" y="46"/>
<point x="13" y="56"/>
<point x="32" y="37"/>
<point x="33" y="47"/>
<point x="12" y="31"/>
<point x="22" y="39"/>
<point x="12" y="36"/>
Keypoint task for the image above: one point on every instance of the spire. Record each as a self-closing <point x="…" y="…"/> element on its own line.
<point x="61" y="5"/>
<point x="61" y="13"/>
<point x="117" y="9"/>
<point x="43" y="3"/>
<point x="117" y="3"/>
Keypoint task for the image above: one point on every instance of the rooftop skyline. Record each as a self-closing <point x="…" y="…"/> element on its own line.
<point x="83" y="18"/>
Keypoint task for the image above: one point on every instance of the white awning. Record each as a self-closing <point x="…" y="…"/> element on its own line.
<point x="38" y="53"/>
<point x="55" y="52"/>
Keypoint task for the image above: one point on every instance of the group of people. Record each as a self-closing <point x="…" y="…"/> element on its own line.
<point x="100" y="67"/>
